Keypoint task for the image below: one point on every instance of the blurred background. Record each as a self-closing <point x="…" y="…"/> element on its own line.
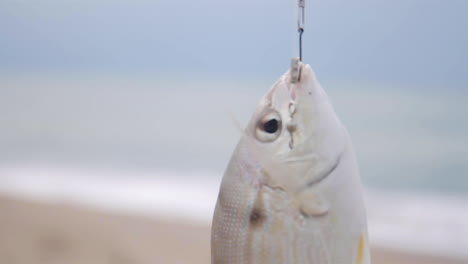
<point x="117" y="119"/>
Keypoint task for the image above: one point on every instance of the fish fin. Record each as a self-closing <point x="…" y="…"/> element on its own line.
<point x="312" y="203"/>
<point x="363" y="255"/>
<point x="235" y="121"/>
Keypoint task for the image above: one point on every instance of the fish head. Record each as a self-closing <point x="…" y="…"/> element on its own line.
<point x="294" y="133"/>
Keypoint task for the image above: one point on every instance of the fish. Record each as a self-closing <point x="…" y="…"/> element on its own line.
<point x="292" y="193"/>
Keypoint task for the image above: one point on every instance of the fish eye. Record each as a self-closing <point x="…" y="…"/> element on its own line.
<point x="269" y="127"/>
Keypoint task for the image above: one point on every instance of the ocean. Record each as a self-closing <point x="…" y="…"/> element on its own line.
<point x="158" y="145"/>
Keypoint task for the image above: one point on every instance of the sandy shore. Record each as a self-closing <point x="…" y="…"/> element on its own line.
<point x="36" y="233"/>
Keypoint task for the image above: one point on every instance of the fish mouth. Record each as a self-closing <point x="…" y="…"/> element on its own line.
<point x="296" y="77"/>
<point x="294" y="84"/>
<point x="291" y="126"/>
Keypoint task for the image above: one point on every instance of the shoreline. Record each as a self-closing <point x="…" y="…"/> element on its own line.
<point x="38" y="232"/>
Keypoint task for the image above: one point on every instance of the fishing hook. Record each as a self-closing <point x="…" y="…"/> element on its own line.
<point x="296" y="62"/>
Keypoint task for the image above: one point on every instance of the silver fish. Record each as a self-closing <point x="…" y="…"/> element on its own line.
<point x="292" y="192"/>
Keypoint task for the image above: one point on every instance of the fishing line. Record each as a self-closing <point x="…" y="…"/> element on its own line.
<point x="300" y="25"/>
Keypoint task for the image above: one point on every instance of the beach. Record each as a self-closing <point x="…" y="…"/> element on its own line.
<point x="39" y="232"/>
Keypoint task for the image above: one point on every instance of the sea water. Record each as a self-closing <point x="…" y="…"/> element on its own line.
<point x="158" y="147"/>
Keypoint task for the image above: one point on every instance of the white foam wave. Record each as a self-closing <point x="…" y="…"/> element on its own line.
<point x="163" y="193"/>
<point x="419" y="222"/>
<point x="423" y="223"/>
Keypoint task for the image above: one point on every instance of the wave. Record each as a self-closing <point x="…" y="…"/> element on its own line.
<point x="415" y="222"/>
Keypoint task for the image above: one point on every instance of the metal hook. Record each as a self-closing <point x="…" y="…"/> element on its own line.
<point x="295" y="71"/>
<point x="296" y="63"/>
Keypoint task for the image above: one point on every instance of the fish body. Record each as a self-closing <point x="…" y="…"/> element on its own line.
<point x="291" y="193"/>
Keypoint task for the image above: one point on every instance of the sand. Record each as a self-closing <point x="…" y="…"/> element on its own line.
<point x="37" y="233"/>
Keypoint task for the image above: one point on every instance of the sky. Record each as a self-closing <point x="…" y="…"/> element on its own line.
<point x="423" y="43"/>
<point x="151" y="83"/>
